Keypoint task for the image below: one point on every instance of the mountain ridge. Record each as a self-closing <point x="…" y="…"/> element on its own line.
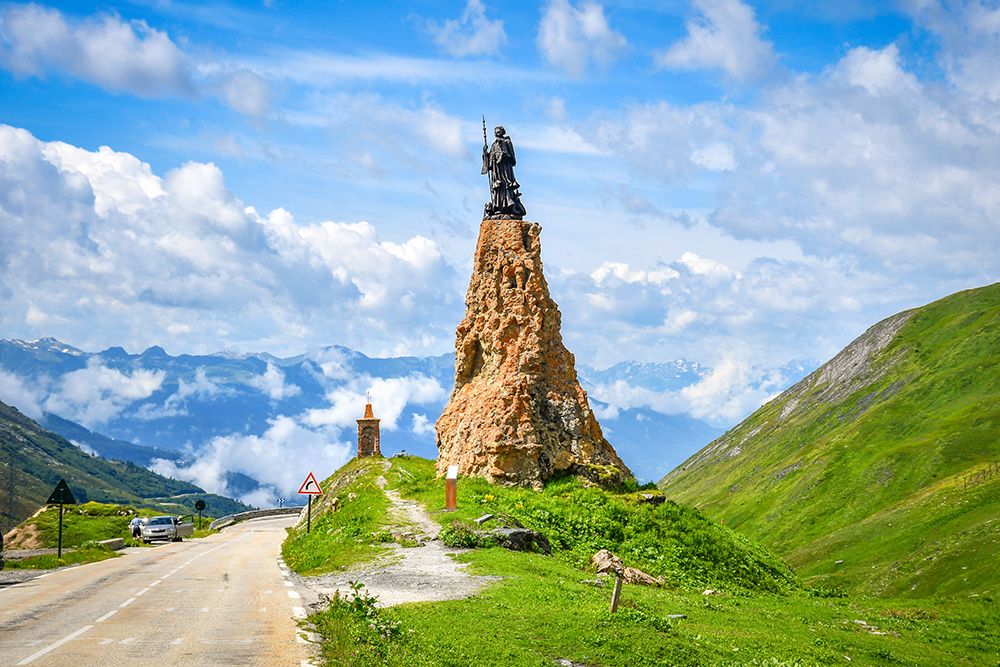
<point x="862" y="461"/>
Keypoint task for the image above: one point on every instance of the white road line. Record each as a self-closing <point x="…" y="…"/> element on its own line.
<point x="204" y="609"/>
<point x="177" y="641"/>
<point x="142" y="592"/>
<point x="54" y="646"/>
<point x="293" y="595"/>
<point x="126" y="603"/>
<point x="289" y="584"/>
<point x="106" y="616"/>
<point x="158" y="582"/>
<point x="298" y="612"/>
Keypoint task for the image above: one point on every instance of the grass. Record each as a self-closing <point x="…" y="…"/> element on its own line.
<point x="88" y="553"/>
<point x="353" y="533"/>
<point x="542" y="611"/>
<point x="546" y="609"/>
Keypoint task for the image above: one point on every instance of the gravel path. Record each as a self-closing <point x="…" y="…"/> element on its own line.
<point x="427" y="573"/>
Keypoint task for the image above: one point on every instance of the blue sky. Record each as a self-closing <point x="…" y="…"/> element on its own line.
<point x="740" y="185"/>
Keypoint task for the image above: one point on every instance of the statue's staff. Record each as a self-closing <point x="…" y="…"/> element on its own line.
<point x="486" y="150"/>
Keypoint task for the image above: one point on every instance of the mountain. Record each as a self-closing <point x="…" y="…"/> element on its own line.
<point x="879" y="470"/>
<point x="198" y="412"/>
<point x="33" y="460"/>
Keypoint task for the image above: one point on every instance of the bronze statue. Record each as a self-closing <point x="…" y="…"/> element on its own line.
<point x="498" y="162"/>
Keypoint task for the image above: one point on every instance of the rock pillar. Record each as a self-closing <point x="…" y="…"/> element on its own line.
<point x="517" y="414"/>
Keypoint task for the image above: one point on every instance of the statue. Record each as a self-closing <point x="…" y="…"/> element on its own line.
<point x="498" y="162"/>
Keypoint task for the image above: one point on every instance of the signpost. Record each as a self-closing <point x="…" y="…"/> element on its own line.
<point x="61" y="495"/>
<point x="200" y="505"/>
<point x="310" y="487"/>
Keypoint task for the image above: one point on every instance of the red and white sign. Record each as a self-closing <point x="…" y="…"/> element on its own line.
<point x="310" y="487"/>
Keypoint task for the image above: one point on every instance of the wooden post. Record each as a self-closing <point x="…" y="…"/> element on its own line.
<point x="617" y="593"/>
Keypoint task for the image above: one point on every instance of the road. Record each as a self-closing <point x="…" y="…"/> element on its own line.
<point x="223" y="600"/>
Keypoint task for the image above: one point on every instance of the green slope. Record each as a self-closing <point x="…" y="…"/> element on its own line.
<point x="32" y="460"/>
<point x="866" y="460"/>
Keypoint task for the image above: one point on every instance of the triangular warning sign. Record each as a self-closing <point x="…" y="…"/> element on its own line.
<point x="310" y="487"/>
<point x="61" y="495"/>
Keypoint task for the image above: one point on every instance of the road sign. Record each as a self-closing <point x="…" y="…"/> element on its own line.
<point x="61" y="495"/>
<point x="200" y="505"/>
<point x="310" y="487"/>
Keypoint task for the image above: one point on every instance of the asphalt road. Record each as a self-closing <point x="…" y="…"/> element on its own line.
<point x="223" y="600"/>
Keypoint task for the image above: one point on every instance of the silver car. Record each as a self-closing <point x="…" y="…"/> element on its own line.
<point x="167" y="528"/>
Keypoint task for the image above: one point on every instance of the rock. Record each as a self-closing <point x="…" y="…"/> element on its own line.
<point x="657" y="499"/>
<point x="483" y="519"/>
<point x="521" y="539"/>
<point x="633" y="575"/>
<point x="605" y="561"/>
<point x="518" y="415"/>
<point x="709" y="591"/>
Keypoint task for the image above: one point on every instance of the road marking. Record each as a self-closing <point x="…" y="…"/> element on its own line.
<point x="126" y="642"/>
<point x="177" y="641"/>
<point x="142" y="592"/>
<point x="54" y="646"/>
<point x="288" y="583"/>
<point x="204" y="609"/>
<point x="126" y="603"/>
<point x="158" y="582"/>
<point x="106" y="616"/>
<point x="298" y="612"/>
<point x="294" y="595"/>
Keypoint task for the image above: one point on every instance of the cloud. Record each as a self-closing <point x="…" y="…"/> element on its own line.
<point x="280" y="458"/>
<point x="391" y="395"/>
<point x="122" y="57"/>
<point x="105" y="51"/>
<point x="15" y="393"/>
<point x="725" y="36"/>
<point x="272" y="383"/>
<point x="472" y="34"/>
<point x="96" y="394"/>
<point x="570" y="38"/>
<point x="97" y="237"/>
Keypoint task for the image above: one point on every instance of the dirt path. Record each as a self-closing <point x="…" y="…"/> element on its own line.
<point x="426" y="573"/>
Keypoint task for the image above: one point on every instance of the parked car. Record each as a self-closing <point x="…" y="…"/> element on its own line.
<point x="173" y="528"/>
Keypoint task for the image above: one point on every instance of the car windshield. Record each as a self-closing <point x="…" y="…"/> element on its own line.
<point x="161" y="521"/>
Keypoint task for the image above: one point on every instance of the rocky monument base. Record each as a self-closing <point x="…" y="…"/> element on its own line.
<point x="518" y="415"/>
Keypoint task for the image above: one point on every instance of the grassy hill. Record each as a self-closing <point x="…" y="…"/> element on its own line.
<point x="32" y="461"/>
<point x="546" y="610"/>
<point x="859" y="474"/>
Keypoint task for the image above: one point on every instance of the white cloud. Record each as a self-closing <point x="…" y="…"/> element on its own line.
<point x="725" y="36"/>
<point x="95" y="394"/>
<point x="280" y="458"/>
<point x="120" y="56"/>
<point x="472" y="34"/>
<point x="97" y="237"/>
<point x="15" y="393"/>
<point x="570" y="37"/>
<point x="391" y="395"/>
<point x="108" y="52"/>
<point x="272" y="383"/>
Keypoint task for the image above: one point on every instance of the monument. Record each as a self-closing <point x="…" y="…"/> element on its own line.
<point x="517" y="414"/>
<point x="368" y="435"/>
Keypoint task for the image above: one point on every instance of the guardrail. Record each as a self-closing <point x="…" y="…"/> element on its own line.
<point x="229" y="520"/>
